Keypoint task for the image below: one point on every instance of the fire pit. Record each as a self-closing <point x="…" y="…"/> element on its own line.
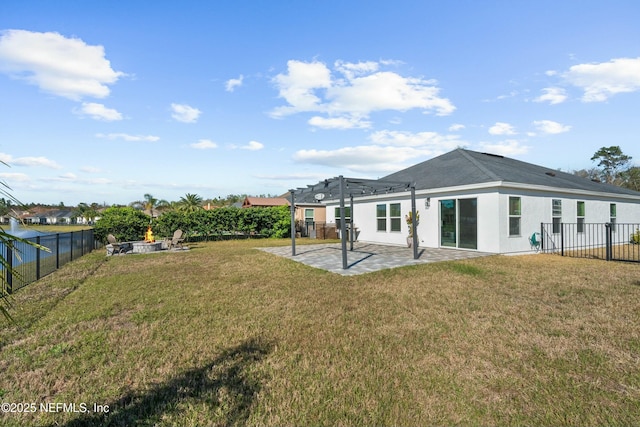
<point x="149" y="244"/>
<point x="146" y="247"/>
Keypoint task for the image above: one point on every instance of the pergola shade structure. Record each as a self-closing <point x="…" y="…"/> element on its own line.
<point x="340" y="188"/>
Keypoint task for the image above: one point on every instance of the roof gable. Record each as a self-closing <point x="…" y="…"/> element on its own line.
<point x="462" y="167"/>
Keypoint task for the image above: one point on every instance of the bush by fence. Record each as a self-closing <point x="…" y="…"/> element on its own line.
<point x="222" y="223"/>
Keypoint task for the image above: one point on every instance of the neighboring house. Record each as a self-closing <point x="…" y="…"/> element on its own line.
<point x="61" y="217"/>
<point x="264" y="202"/>
<point x="485" y="202"/>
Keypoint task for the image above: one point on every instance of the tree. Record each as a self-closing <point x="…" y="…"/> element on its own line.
<point x="85" y="211"/>
<point x="149" y="204"/>
<point x="190" y="203"/>
<point x="612" y="162"/>
<point x="631" y="178"/>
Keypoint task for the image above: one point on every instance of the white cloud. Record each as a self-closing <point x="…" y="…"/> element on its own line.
<point x="90" y="169"/>
<point x="360" y="89"/>
<point x="390" y="151"/>
<point x="12" y="176"/>
<point x="350" y="70"/>
<point x="364" y="158"/>
<point x="602" y="80"/>
<point x="65" y="177"/>
<point x="551" y="127"/>
<point x="98" y="112"/>
<point x="253" y="146"/>
<point x="347" y="122"/>
<point x="432" y="140"/>
<point x="204" y="144"/>
<point x="501" y="128"/>
<point x="553" y="95"/>
<point x="185" y="113"/>
<point x="456" y="127"/>
<point x="66" y="67"/>
<point x="510" y="147"/>
<point x="232" y="84"/>
<point x="298" y="86"/>
<point x="387" y="91"/>
<point x="128" y="138"/>
<point x="29" y="161"/>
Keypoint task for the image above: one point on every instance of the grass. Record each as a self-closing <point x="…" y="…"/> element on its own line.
<point x="225" y="334"/>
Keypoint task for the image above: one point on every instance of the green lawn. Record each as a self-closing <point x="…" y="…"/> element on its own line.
<point x="225" y="334"/>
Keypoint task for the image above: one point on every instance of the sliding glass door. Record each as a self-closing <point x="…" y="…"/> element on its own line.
<point x="468" y="223"/>
<point x="459" y="223"/>
<point x="448" y="223"/>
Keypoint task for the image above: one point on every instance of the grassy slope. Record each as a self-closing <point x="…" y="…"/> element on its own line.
<point x="225" y="334"/>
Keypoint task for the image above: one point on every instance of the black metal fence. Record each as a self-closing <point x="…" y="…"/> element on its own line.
<point x="29" y="264"/>
<point x="608" y="241"/>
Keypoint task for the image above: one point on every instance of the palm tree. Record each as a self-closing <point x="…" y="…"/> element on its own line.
<point x="8" y="241"/>
<point x="190" y="203"/>
<point x="149" y="204"/>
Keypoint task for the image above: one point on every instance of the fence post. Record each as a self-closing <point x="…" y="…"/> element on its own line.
<point x="608" y="236"/>
<point x="57" y="251"/>
<point x="9" y="260"/>
<point x="542" y="237"/>
<point x="71" y="246"/>
<point x="561" y="239"/>
<point x="37" y="258"/>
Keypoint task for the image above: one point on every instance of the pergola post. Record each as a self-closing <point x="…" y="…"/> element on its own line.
<point x="351" y="229"/>
<point x="293" y="223"/>
<point x="343" y="225"/>
<point x="414" y="222"/>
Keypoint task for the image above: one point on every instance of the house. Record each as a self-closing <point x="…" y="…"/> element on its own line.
<point x="264" y="202"/>
<point x="485" y="202"/>
<point x="310" y="216"/>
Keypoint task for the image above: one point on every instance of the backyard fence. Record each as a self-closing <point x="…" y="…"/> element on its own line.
<point x="608" y="241"/>
<point x="28" y="264"/>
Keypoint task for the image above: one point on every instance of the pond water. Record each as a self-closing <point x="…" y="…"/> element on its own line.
<point x="16" y="230"/>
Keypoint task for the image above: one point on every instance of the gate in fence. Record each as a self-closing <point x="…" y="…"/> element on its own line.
<point x="29" y="264"/>
<point x="609" y="241"/>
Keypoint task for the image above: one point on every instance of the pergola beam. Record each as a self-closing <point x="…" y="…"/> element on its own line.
<point x="338" y="188"/>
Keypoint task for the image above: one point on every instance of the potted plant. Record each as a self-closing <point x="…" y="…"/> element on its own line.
<point x="412" y="225"/>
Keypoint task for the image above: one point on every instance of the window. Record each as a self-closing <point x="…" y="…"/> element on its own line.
<point x="556" y="214"/>
<point x="381" y="215"/>
<point x="580" y="215"/>
<point x="308" y="216"/>
<point x="394" y="214"/>
<point x="347" y="215"/>
<point x="612" y="213"/>
<point x="514" y="216"/>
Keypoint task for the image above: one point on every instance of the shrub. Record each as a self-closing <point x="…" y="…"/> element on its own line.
<point x="268" y="222"/>
<point x="126" y="224"/>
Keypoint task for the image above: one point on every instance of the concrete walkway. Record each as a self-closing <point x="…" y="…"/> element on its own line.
<point x="367" y="257"/>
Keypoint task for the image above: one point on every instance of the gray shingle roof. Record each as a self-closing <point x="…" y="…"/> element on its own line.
<point x="465" y="167"/>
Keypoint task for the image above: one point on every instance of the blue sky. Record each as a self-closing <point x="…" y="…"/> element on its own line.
<point x="107" y="101"/>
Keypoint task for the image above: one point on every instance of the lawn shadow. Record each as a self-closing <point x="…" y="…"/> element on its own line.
<point x="226" y="385"/>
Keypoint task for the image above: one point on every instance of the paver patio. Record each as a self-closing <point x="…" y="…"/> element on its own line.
<point x="368" y="257"/>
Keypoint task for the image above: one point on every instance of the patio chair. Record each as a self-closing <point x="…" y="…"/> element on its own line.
<point x="534" y="241"/>
<point x="177" y="240"/>
<point x="118" y="247"/>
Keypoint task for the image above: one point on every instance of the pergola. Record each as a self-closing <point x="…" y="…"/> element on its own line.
<point x="341" y="188"/>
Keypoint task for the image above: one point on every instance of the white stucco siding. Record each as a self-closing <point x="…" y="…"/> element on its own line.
<point x="492" y="215"/>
